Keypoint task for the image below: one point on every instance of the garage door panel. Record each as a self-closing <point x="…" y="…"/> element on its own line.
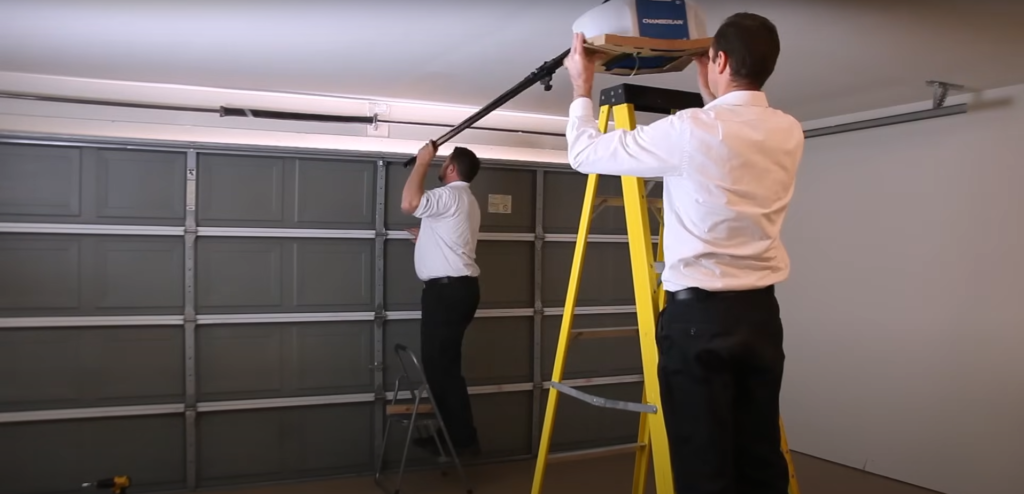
<point x="57" y="457"/>
<point x="61" y="368"/>
<point x="257" y="361"/>
<point x="40" y="273"/>
<point x="593" y="357"/>
<point x="606" y="280"/>
<point x="135" y="186"/>
<point x="275" y="192"/>
<point x="504" y="422"/>
<point x="563" y="202"/>
<point x="481" y="364"/>
<point x="239" y="273"/>
<point x="139" y="273"/>
<point x="272" y="275"/>
<point x="332" y="274"/>
<point x="78" y="275"/>
<point x="580" y="425"/>
<point x="284" y="443"/>
<point x="58" y="184"/>
<point x="240" y="189"/>
<point x="335" y="194"/>
<point x="402" y="288"/>
<point x="40" y="182"/>
<point x="506" y="275"/>
<point x="513" y="188"/>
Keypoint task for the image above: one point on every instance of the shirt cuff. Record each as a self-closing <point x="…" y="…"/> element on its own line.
<point x="582" y="108"/>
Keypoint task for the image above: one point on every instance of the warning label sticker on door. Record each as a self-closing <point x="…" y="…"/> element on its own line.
<point x="499" y="204"/>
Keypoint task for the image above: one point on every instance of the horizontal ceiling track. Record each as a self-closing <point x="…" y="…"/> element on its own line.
<point x="936" y="112"/>
<point x="226" y="112"/>
<point x="875" y="123"/>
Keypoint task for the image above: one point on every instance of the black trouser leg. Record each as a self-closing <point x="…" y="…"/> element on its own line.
<point x="720" y="367"/>
<point x="448" y="309"/>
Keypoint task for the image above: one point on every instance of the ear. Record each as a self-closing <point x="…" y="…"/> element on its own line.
<point x="722" y="62"/>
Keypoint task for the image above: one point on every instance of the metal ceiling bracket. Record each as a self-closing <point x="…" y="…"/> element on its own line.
<point x="942" y="91"/>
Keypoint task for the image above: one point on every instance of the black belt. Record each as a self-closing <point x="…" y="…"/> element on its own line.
<point x="446" y="279"/>
<point x="698" y="293"/>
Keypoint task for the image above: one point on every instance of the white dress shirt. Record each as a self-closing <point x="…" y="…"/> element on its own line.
<point x="449" y="227"/>
<point x="729" y="171"/>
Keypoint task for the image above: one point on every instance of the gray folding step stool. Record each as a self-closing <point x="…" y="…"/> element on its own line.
<point x="411" y="415"/>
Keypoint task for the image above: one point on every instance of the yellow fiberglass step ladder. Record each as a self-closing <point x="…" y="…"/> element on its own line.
<point x="622" y="102"/>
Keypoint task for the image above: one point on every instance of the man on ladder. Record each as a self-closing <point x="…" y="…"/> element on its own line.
<point x="729" y="171"/>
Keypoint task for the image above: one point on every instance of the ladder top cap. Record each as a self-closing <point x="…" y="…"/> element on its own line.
<point x="649" y="99"/>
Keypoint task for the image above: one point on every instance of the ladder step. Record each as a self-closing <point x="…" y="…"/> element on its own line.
<point x="588" y="454"/>
<point x="604" y="402"/>
<point x="618" y="201"/>
<point x="406" y="409"/>
<point x="604" y="332"/>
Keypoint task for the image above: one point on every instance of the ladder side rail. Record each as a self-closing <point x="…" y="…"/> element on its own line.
<point x="565" y="333"/>
<point x="641" y="256"/>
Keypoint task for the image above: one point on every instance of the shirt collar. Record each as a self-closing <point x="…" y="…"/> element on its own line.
<point x="458" y="183"/>
<point x="741" y="98"/>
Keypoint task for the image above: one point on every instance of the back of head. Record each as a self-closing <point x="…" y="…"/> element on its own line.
<point x="752" y="45"/>
<point x="467" y="165"/>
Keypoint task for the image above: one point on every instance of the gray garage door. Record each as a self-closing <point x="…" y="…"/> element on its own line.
<point x="196" y="318"/>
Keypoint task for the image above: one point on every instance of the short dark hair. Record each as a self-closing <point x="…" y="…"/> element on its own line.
<point x="467" y="165"/>
<point x="752" y="44"/>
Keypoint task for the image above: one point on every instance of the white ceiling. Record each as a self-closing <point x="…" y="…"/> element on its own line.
<point x="838" y="56"/>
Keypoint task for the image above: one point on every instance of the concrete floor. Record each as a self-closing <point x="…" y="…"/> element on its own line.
<point x="612" y="475"/>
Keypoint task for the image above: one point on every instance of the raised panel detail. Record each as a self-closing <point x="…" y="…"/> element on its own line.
<point x="257" y="275"/>
<point x="255" y="361"/>
<point x="56" y="457"/>
<point x="239" y="273"/>
<point x="284" y="443"/>
<point x="126" y="270"/>
<point x="563" y="203"/>
<point x="61" y="184"/>
<point x="241" y="188"/>
<point x="245" y="191"/>
<point x="137" y="184"/>
<point x="51" y="368"/>
<point x="71" y="275"/>
<point x="336" y="194"/>
<point x="38" y="181"/>
<point x="606" y="279"/>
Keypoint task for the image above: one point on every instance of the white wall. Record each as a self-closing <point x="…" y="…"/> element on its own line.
<point x="904" y="315"/>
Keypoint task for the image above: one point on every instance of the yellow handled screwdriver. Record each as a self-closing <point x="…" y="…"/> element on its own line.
<point x="117" y="485"/>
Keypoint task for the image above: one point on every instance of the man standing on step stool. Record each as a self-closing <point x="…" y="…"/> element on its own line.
<point x="445" y="260"/>
<point x="729" y="171"/>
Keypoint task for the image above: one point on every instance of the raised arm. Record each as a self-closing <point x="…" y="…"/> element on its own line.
<point x="412" y="194"/>
<point x="657" y="150"/>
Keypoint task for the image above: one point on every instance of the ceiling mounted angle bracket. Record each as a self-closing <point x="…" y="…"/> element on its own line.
<point x="942" y="91"/>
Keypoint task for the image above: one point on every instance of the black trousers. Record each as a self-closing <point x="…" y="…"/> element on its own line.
<point x="449" y="305"/>
<point x="720" y="369"/>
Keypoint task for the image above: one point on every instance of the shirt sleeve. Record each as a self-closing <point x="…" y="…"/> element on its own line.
<point x="656" y="150"/>
<point x="435" y="203"/>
